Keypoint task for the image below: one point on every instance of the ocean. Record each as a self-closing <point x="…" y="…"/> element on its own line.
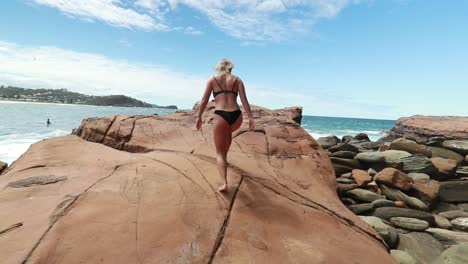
<point x="22" y="124"/>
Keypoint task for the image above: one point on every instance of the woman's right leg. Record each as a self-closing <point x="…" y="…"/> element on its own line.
<point x="221" y="128"/>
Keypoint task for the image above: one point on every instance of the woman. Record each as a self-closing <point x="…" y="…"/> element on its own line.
<point x="228" y="117"/>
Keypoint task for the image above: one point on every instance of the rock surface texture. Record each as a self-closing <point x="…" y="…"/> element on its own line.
<point x="422" y="128"/>
<point x="142" y="189"/>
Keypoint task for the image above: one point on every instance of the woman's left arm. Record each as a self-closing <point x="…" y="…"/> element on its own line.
<point x="203" y="103"/>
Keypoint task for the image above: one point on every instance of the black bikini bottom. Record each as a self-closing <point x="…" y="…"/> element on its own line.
<point x="230" y="117"/>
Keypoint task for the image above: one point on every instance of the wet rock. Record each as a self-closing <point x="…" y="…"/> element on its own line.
<point x="446" y="154"/>
<point x="382" y="203"/>
<point x="371" y="172"/>
<point x="360" y="209"/>
<point x="343" y="188"/>
<point x="445" y="167"/>
<point x="387" y="232"/>
<point x="344" y="147"/>
<point x="410" y="223"/>
<point x="346" y="139"/>
<point x="423" y="247"/>
<point x="457" y="254"/>
<point x="389" y="212"/>
<point x="442" y="222"/>
<point x="363" y="195"/>
<point x="402" y="257"/>
<point x="462" y="171"/>
<point x="418" y="176"/>
<point x="36" y="180"/>
<point x="444" y="207"/>
<point x="327" y="142"/>
<point x="410" y="147"/>
<point x="370" y="157"/>
<point x="460" y="223"/>
<point x="454" y="214"/>
<point x="417" y="163"/>
<point x="348" y="201"/>
<point x="459" y="146"/>
<point x="343" y="154"/>
<point x="361" y="177"/>
<point x="463" y="206"/>
<point x="447" y="237"/>
<point x="454" y="191"/>
<point x="361" y="137"/>
<point x="397" y="195"/>
<point x="344" y="180"/>
<point x="395" y="178"/>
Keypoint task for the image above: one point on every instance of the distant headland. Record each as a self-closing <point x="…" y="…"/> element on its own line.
<point x="63" y="96"/>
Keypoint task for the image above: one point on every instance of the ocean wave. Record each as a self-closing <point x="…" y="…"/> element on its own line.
<point x="14" y="145"/>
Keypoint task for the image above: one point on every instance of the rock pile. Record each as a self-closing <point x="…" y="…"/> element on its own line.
<point x="414" y="195"/>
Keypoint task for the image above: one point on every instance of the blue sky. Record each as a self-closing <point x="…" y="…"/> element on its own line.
<point x="376" y="59"/>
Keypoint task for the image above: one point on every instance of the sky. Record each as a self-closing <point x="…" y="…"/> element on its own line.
<point x="380" y="59"/>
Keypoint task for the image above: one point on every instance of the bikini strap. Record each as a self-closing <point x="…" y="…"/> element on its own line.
<point x="218" y="83"/>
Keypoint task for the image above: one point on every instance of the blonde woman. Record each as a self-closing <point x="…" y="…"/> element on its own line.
<point x="228" y="116"/>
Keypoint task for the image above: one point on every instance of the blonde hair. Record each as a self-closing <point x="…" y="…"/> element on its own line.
<point x="224" y="66"/>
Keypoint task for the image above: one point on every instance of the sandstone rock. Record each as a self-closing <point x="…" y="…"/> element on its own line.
<point x="423" y="247"/>
<point x="400" y="204"/>
<point x="361" y="177"/>
<point x="363" y="195"/>
<point x="341" y="169"/>
<point x="460" y="223"/>
<point x="454" y="214"/>
<point x="417" y="163"/>
<point x="344" y="180"/>
<point x="360" y="209"/>
<point x="410" y="223"/>
<point x="394" y="177"/>
<point x="427" y="191"/>
<point x="389" y="212"/>
<point x="343" y="187"/>
<point x="459" y="146"/>
<point x="370" y="157"/>
<point x="442" y="222"/>
<point x="422" y="128"/>
<point x="445" y="167"/>
<point x="402" y="257"/>
<point x="410" y="147"/>
<point x="387" y="232"/>
<point x="3" y="166"/>
<point x="391" y="156"/>
<point x="344" y="154"/>
<point x="36" y="180"/>
<point x="327" y="142"/>
<point x="365" y="145"/>
<point x="382" y="203"/>
<point x="457" y="254"/>
<point x="447" y="237"/>
<point x="446" y="154"/>
<point x="372" y="186"/>
<point x="454" y="191"/>
<point x="349" y="163"/>
<point x="397" y="195"/>
<point x="142" y="189"/>
<point x="344" y="147"/>
<point x="419" y="176"/>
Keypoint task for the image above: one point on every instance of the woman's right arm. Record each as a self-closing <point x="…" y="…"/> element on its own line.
<point x="245" y="104"/>
<point x="203" y="103"/>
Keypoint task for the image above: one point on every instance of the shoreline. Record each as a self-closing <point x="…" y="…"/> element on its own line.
<point x="51" y="103"/>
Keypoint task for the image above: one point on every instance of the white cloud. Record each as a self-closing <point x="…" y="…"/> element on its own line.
<point x="113" y="12"/>
<point x="248" y="20"/>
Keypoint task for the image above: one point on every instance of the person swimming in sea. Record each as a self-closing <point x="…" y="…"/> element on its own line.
<point x="48" y="122"/>
<point x="227" y="116"/>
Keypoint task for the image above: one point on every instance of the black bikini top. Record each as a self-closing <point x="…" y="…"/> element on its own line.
<point x="224" y="90"/>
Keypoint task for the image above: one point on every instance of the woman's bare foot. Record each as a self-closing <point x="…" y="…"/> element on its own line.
<point x="223" y="188"/>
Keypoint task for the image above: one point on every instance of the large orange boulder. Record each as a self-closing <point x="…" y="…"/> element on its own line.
<point x="142" y="189"/>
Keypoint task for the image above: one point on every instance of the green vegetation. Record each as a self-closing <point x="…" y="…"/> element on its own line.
<point x="66" y="97"/>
